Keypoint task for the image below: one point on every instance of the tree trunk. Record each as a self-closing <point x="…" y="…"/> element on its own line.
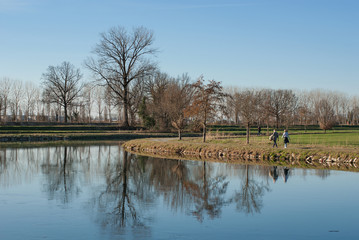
<point x="65" y="110"/>
<point x="248" y="133"/>
<point x="179" y="134"/>
<point x="125" y="107"/>
<point x="204" y="132"/>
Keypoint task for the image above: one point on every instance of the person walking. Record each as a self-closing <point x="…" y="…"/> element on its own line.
<point x="286" y="138"/>
<point x="274" y="138"/>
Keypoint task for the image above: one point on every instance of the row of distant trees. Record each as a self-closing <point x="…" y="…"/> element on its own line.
<point x="27" y="102"/>
<point x="162" y="102"/>
<point x="128" y="88"/>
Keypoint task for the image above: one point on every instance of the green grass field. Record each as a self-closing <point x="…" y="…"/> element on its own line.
<point x="328" y="139"/>
<point x="339" y="136"/>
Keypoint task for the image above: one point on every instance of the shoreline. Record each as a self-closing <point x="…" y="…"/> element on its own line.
<point x="306" y="156"/>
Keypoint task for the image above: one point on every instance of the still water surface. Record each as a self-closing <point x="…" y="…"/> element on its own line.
<point x="103" y="192"/>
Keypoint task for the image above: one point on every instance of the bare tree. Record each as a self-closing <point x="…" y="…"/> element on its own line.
<point x="207" y="99"/>
<point x="99" y="95"/>
<point x="16" y="99"/>
<point x="122" y="58"/>
<point x="110" y="101"/>
<point x="249" y="101"/>
<point x="344" y="107"/>
<point x="157" y="106"/>
<point x="325" y="113"/>
<point x="5" y="87"/>
<point x="178" y="95"/>
<point x="2" y="105"/>
<point x="30" y="100"/>
<point x="39" y="106"/>
<point x="353" y="114"/>
<point x="62" y="85"/>
<point x="281" y="103"/>
<point x="88" y="98"/>
<point x="305" y="114"/>
<point x="233" y="104"/>
<point x="265" y="106"/>
<point x="136" y="95"/>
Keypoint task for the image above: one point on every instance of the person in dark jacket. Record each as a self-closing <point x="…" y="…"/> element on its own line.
<point x="274" y="138"/>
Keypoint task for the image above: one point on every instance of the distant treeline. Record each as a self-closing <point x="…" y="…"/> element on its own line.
<point x="24" y="102"/>
<point x="129" y="89"/>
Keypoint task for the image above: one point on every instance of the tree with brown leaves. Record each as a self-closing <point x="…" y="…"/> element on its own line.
<point x="207" y="99"/>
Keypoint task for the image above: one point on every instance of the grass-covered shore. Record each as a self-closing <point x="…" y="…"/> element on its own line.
<point x="237" y="146"/>
<point x="335" y="149"/>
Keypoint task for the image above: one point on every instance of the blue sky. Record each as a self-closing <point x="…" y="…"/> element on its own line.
<point x="292" y="44"/>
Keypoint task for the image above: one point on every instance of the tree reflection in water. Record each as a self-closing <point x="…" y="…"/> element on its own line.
<point x="249" y="197"/>
<point x="60" y="175"/>
<point x="125" y="195"/>
<point x="126" y="189"/>
<point x="207" y="193"/>
<point x="191" y="190"/>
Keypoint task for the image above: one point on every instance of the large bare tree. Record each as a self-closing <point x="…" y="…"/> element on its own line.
<point x="62" y="85"/>
<point x="122" y="57"/>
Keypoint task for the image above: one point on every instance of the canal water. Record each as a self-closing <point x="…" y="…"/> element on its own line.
<point x="103" y="192"/>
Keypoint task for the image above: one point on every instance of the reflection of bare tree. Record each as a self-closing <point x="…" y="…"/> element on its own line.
<point x="249" y="198"/>
<point x="190" y="188"/>
<point x="3" y="162"/>
<point x="12" y="169"/>
<point x="60" y="175"/>
<point x="119" y="203"/>
<point x="207" y="194"/>
<point x="167" y="177"/>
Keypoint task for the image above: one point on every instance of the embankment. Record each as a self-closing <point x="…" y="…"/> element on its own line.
<point x="306" y="156"/>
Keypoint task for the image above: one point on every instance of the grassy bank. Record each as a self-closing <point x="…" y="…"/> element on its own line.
<point x="338" y="151"/>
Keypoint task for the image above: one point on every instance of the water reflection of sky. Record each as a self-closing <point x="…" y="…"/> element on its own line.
<point x="101" y="192"/>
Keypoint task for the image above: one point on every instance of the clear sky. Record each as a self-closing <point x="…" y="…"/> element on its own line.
<point x="292" y="44"/>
